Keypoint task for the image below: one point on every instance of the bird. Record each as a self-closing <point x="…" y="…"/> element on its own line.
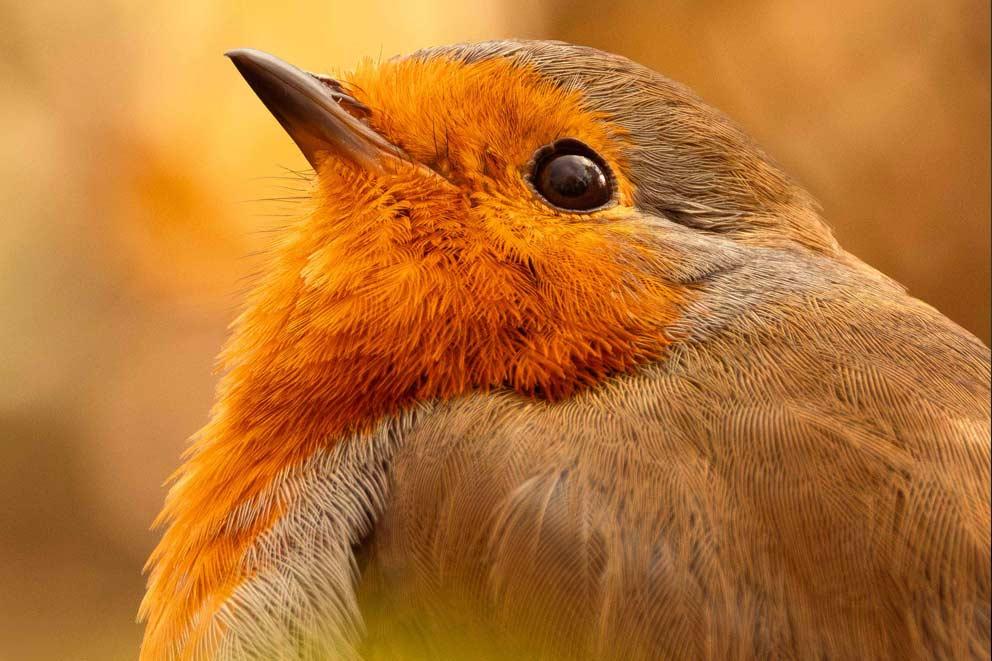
<point x="558" y="363"/>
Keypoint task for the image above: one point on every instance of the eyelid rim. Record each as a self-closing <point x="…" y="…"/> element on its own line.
<point x="563" y="147"/>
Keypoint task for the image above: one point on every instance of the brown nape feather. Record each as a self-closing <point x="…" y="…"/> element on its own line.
<point x="459" y="423"/>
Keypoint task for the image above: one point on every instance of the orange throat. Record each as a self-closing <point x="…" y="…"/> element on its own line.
<point x="413" y="289"/>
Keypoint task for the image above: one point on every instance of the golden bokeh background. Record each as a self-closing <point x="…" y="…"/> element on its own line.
<point x="131" y="151"/>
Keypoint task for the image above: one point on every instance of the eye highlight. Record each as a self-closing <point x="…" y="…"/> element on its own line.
<point x="571" y="176"/>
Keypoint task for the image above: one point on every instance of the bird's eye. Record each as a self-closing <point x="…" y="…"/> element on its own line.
<point x="571" y="176"/>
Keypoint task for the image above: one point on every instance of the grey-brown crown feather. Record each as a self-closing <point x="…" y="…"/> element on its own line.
<point x="687" y="160"/>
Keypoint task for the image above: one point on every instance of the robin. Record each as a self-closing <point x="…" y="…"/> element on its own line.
<point x="559" y="364"/>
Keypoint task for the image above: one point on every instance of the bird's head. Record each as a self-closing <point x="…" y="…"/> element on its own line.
<point x="529" y="216"/>
<point x="486" y="222"/>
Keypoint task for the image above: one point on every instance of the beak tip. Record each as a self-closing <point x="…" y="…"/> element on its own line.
<point x="238" y="55"/>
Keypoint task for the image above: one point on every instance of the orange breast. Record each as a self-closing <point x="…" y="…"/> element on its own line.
<point x="411" y="289"/>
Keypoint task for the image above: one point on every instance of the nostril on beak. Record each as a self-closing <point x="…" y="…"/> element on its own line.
<point x="344" y="98"/>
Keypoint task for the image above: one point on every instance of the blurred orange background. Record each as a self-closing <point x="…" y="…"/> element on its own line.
<point x="130" y="151"/>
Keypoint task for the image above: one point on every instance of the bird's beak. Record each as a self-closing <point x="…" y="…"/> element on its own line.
<point x="310" y="110"/>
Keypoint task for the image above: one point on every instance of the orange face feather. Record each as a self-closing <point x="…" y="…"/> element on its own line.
<point x="412" y="287"/>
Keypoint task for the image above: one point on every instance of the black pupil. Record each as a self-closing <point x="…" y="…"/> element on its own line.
<point x="573" y="181"/>
<point x="572" y="175"/>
